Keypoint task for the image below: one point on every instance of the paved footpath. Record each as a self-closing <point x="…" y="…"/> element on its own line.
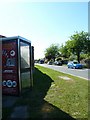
<point x="18" y="111"/>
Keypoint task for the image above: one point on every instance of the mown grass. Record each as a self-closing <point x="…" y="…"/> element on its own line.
<point x="71" y="96"/>
<point x="54" y="97"/>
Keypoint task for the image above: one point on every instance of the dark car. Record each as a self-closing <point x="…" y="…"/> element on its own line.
<point x="57" y="63"/>
<point x="41" y="61"/>
<point x="75" y="65"/>
<point x="50" y="63"/>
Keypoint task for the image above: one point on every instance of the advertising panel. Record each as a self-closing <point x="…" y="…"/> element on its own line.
<point x="10" y="82"/>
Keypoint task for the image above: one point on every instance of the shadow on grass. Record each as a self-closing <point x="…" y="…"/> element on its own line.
<point x="34" y="99"/>
<point x="38" y="107"/>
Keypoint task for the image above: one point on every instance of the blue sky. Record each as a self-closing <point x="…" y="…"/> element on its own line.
<point x="43" y="23"/>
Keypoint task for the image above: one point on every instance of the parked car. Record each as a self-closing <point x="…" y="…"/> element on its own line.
<point x="41" y="61"/>
<point x="57" y="63"/>
<point x="75" y="65"/>
<point x="50" y="63"/>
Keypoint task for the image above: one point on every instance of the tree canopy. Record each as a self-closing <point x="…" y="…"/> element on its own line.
<point x="77" y="44"/>
<point x="52" y="52"/>
<point x="64" y="51"/>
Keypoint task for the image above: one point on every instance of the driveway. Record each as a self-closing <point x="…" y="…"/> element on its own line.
<point x="82" y="73"/>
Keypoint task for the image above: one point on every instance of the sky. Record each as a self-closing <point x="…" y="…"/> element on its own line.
<point x="43" y="23"/>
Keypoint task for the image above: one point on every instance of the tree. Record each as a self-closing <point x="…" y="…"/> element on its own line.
<point x="52" y="52"/>
<point x="87" y="45"/>
<point x="64" y="51"/>
<point x="77" y="43"/>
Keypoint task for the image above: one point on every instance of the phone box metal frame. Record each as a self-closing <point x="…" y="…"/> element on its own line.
<point x="17" y="65"/>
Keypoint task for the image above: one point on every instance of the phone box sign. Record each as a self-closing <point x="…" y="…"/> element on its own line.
<point x="10" y="83"/>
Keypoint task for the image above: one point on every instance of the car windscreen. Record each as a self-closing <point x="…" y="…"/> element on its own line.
<point x="75" y="62"/>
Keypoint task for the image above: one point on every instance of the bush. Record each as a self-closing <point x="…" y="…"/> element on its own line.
<point x="87" y="61"/>
<point x="58" y="59"/>
<point x="83" y="56"/>
<point x="73" y="57"/>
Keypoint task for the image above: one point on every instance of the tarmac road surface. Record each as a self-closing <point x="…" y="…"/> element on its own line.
<point x="82" y="73"/>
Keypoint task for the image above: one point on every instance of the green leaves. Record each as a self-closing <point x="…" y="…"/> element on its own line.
<point x="52" y="51"/>
<point x="78" y="43"/>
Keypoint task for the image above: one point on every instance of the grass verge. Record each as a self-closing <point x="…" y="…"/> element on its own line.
<point x="69" y="95"/>
<point x="55" y="96"/>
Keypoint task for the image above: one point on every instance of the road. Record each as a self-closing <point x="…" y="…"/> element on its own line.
<point x="82" y="73"/>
